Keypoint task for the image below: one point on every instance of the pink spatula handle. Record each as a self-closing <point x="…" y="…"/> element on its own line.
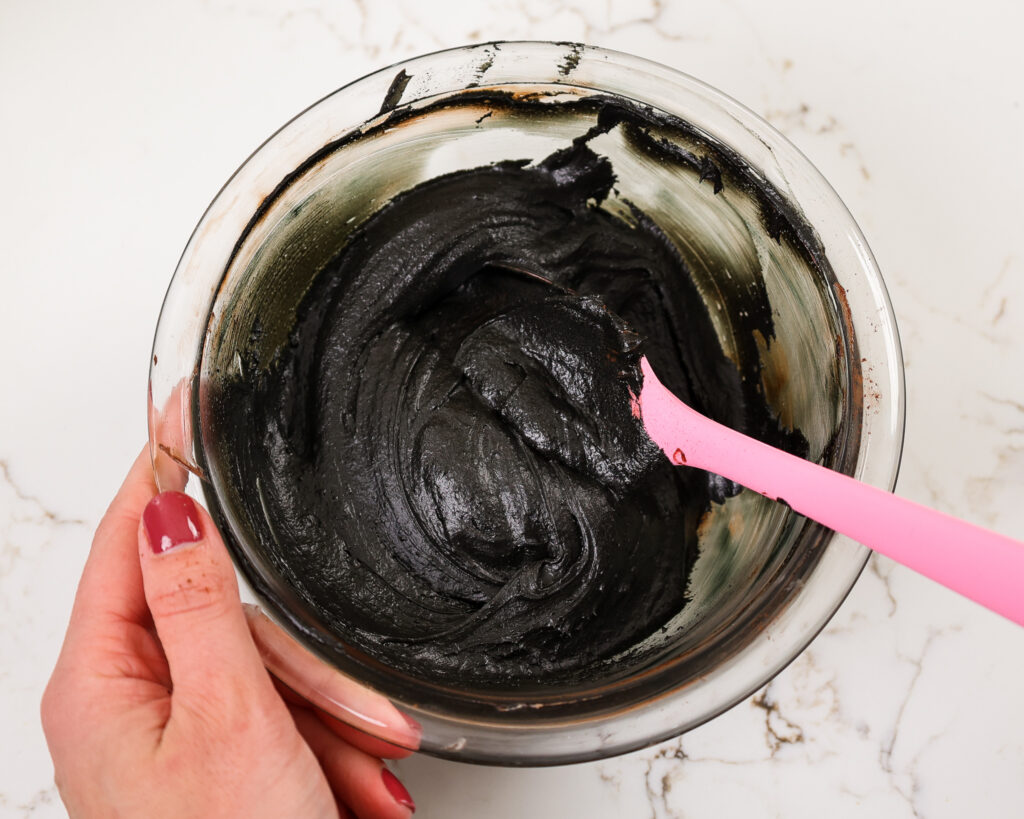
<point x="985" y="566"/>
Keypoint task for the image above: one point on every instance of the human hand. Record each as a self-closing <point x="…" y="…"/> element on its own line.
<point x="160" y="706"/>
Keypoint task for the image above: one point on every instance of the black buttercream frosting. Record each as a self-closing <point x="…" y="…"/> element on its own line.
<point x="443" y="458"/>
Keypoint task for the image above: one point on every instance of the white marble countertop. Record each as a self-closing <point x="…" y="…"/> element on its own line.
<point x="120" y="120"/>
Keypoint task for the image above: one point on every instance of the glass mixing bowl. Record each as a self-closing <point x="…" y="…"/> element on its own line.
<point x="767" y="580"/>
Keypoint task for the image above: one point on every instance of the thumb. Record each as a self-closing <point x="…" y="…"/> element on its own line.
<point x="192" y="594"/>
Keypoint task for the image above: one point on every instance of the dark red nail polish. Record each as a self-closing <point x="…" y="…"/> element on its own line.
<point x="171" y="520"/>
<point x="397" y="790"/>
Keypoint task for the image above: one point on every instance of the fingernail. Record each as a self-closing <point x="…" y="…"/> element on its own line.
<point x="397" y="790"/>
<point x="417" y="729"/>
<point x="171" y="520"/>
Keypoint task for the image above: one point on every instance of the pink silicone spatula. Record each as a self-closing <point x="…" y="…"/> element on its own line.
<point x="979" y="564"/>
